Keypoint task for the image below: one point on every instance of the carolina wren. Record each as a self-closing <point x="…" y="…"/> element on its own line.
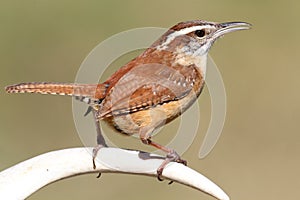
<point x="153" y="88"/>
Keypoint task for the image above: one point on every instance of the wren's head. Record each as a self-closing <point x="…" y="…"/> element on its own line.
<point x="196" y="37"/>
<point x="190" y="41"/>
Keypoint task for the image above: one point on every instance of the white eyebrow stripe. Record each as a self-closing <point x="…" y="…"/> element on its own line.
<point x="184" y="31"/>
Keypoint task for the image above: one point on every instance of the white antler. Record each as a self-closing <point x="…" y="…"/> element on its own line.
<point x="25" y="178"/>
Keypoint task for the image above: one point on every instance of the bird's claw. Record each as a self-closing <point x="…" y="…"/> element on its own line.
<point x="171" y="157"/>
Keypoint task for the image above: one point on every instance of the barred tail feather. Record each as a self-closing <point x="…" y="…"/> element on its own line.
<point x="83" y="92"/>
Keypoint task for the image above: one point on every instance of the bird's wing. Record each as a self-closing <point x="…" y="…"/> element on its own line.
<point x="147" y="86"/>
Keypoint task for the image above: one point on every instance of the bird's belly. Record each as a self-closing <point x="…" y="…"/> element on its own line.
<point x="151" y="118"/>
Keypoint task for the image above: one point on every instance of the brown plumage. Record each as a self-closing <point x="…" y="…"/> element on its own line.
<point x="152" y="89"/>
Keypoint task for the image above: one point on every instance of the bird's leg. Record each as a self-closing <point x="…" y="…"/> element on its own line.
<point x="100" y="139"/>
<point x="172" y="155"/>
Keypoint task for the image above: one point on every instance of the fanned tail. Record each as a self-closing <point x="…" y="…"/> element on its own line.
<point x="83" y="92"/>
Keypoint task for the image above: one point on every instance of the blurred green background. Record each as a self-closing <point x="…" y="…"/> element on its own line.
<point x="257" y="156"/>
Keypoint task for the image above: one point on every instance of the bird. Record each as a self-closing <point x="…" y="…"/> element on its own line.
<point x="152" y="89"/>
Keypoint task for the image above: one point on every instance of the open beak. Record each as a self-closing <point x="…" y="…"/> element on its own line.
<point x="228" y="27"/>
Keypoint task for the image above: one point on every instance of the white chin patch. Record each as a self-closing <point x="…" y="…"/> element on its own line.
<point x="202" y="63"/>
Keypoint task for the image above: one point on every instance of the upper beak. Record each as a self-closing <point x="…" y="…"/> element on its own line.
<point x="228" y="27"/>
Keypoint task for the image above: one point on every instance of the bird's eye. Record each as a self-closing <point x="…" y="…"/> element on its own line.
<point x="200" y="33"/>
